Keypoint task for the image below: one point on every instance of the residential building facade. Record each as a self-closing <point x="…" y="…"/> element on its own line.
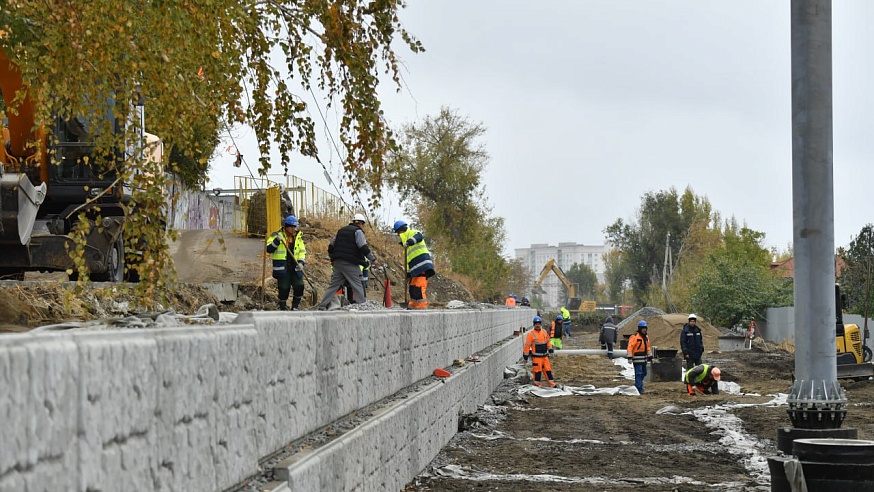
<point x="565" y="256"/>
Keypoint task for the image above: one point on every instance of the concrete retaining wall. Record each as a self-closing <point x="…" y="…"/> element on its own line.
<point x="194" y="409"/>
<point x="388" y="451"/>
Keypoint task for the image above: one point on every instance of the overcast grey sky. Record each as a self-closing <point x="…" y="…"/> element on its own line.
<point x="591" y="104"/>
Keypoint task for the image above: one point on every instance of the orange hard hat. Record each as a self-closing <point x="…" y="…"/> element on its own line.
<point x="441" y="373"/>
<point x="716" y="373"/>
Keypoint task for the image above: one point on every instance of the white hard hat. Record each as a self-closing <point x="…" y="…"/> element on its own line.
<point x="358" y="218"/>
<point x="693" y="316"/>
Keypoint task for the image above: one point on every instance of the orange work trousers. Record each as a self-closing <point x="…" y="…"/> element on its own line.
<point x="541" y="365"/>
<point x="418" y="299"/>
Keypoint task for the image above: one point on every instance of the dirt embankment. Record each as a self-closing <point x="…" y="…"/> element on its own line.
<point x="209" y="256"/>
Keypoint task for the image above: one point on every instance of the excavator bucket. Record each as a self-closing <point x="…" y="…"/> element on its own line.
<point x="858" y="372"/>
<point x="23" y="213"/>
<point x="574" y="304"/>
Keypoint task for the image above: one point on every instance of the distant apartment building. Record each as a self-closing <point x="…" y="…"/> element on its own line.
<point x="565" y="255"/>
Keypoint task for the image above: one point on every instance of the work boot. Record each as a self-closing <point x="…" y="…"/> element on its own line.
<point x="283" y="306"/>
<point x="295" y="303"/>
<point x="552" y="384"/>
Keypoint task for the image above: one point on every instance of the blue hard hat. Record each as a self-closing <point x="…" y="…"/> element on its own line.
<point x="559" y="318"/>
<point x="291" y="220"/>
<point x="537" y="319"/>
<point x="641" y="324"/>
<point x="398" y="225"/>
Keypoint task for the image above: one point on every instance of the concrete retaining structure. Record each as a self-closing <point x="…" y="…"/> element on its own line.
<point x="195" y="408"/>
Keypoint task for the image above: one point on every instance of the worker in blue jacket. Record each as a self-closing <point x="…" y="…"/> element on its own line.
<point x="692" y="342"/>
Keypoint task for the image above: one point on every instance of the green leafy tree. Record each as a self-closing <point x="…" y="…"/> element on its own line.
<point x="736" y="283"/>
<point x="614" y="276"/>
<point x="437" y="170"/>
<point x="202" y="61"/>
<point x="585" y="280"/>
<point x="857" y="270"/>
<point x="663" y="217"/>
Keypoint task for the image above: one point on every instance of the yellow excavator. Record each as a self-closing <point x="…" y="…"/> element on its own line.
<point x="573" y="303"/>
<point x="853" y="355"/>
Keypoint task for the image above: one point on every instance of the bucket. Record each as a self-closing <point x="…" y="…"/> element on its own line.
<point x="623" y="344"/>
<point x="666" y="369"/>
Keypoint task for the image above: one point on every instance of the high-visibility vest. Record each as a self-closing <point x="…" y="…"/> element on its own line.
<point x="418" y="257"/>
<point x="280" y="256"/>
<point x="557" y="329"/>
<point x="537" y="343"/>
<point x="698" y="374"/>
<point x="639" y="348"/>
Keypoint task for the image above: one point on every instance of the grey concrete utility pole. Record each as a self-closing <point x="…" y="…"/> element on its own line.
<point x="816" y="400"/>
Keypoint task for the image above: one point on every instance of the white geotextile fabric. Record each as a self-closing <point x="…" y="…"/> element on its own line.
<point x="587" y="390"/>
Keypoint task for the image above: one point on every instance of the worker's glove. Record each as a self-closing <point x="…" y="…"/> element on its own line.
<point x="411" y="242"/>
<point x="276" y="241"/>
<point x="300" y="263"/>
<point x="685" y="355"/>
<point x="551" y="351"/>
<point x="525" y="356"/>
<point x="649" y="359"/>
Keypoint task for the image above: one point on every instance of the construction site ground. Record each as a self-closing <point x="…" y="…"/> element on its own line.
<point x="663" y="440"/>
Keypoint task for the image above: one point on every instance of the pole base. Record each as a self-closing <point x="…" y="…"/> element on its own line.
<point x="787" y="435"/>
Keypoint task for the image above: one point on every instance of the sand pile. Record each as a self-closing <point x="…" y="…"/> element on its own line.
<point x="664" y="331"/>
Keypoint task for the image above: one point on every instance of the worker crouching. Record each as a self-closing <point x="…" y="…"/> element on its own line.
<point x="703" y="379"/>
<point x="538" y="347"/>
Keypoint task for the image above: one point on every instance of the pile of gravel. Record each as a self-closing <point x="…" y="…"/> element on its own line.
<point x="646" y="312"/>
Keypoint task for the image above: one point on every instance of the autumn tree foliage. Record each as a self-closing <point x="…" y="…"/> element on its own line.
<point x="715" y="267"/>
<point x="856" y="273"/>
<point x="437" y="169"/>
<point x="205" y="65"/>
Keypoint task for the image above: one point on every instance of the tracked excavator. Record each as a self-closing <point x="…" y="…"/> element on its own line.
<point x="573" y="303"/>
<point x="50" y="175"/>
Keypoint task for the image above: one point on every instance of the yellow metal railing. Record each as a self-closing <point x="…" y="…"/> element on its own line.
<point x="306" y="198"/>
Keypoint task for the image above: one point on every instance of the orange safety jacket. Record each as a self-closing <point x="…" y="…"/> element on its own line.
<point x="556" y="325"/>
<point x="510" y="302"/>
<point x="537" y="343"/>
<point x="639" y="349"/>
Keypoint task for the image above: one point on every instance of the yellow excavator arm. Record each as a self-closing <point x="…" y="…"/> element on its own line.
<point x="552" y="267"/>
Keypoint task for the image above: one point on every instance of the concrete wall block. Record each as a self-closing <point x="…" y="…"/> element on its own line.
<point x="348" y="398"/>
<point x="39" y="412"/>
<point x="276" y="374"/>
<point x="235" y="405"/>
<point x="306" y="476"/>
<point x="186" y="417"/>
<point x="119" y="391"/>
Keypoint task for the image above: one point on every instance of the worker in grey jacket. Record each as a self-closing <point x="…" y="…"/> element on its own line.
<point x="348" y="252"/>
<point x="608" y="336"/>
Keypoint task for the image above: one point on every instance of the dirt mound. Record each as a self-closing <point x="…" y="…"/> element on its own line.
<point x="664" y="331"/>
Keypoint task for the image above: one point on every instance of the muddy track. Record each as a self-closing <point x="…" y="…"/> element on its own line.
<point x="614" y="443"/>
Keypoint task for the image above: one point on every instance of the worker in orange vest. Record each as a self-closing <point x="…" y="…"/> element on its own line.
<point x="557" y="331"/>
<point x="538" y="347"/>
<point x="510" y="301"/>
<point x="640" y="353"/>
